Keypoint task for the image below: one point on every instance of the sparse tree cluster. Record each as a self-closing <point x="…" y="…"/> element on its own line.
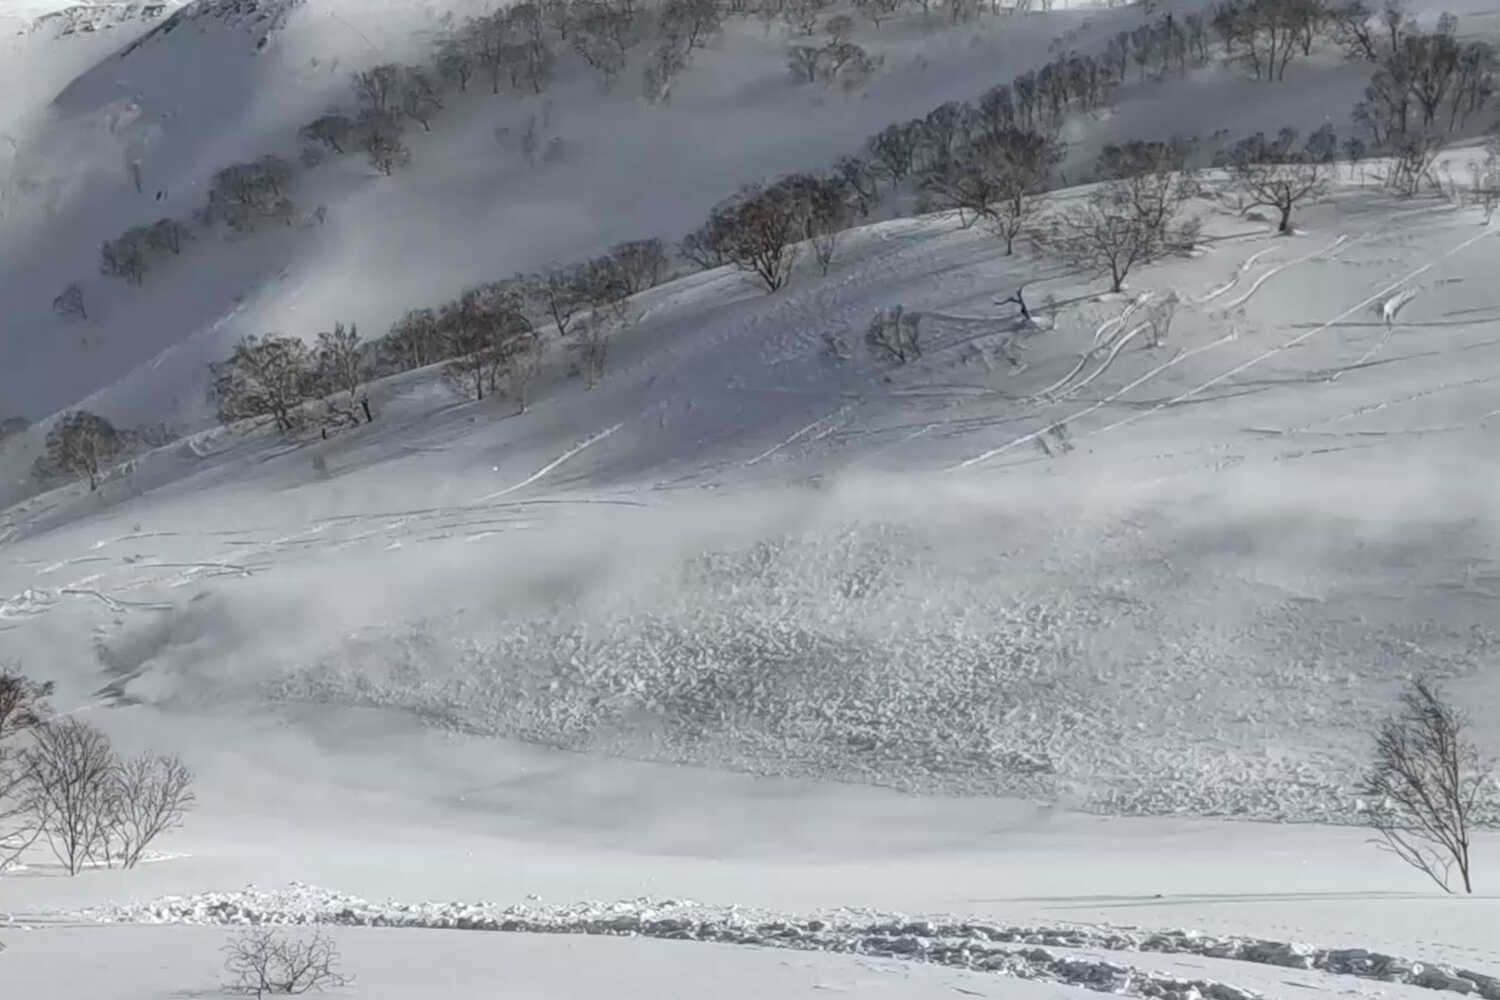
<point x="278" y="376"/>
<point x="1426" y="82"/>
<point x="63" y="784"/>
<point x="128" y="256"/>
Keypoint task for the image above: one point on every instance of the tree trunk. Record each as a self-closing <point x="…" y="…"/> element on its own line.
<point x="1286" y="220"/>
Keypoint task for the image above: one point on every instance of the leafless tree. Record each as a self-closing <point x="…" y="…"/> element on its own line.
<point x="893" y="150"/>
<point x="23" y="708"/>
<point x="126" y="256"/>
<point x="419" y="95"/>
<point x="761" y="227"/>
<point x="693" y="22"/>
<point x="522" y="367"/>
<point x="264" y="377"/>
<point x="1484" y="187"/>
<point x="827" y="214"/>
<point x="1273" y="174"/>
<point x="166" y="236"/>
<point x="590" y="342"/>
<point x="895" y="335"/>
<point x="241" y="194"/>
<point x="1104" y="235"/>
<point x="66" y="770"/>
<point x="82" y="444"/>
<point x="1411" y="164"/>
<point x="1352" y="26"/>
<point x="1424" y="784"/>
<point x="455" y="62"/>
<point x="556" y="294"/>
<point x="1155" y="181"/>
<point x="879" y="10"/>
<point x="708" y="245"/>
<point x="642" y="264"/>
<point x="838" y="28"/>
<point x="381" y="140"/>
<point x="602" y="34"/>
<point x="1015" y="166"/>
<point x="146" y="797"/>
<point x="1159" y="315"/>
<point x="332" y="130"/>
<point x="485" y="329"/>
<point x="378" y="88"/>
<point x="859" y="180"/>
<point x="262" y="960"/>
<point x="803" y="61"/>
<point x="415" y="341"/>
<point x="69" y="303"/>
<point x="339" y="361"/>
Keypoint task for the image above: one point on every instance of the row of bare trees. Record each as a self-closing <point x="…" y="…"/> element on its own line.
<point x="62" y="783"/>
<point x="490" y="341"/>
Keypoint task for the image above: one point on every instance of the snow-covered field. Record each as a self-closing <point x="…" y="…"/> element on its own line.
<point x="968" y="675"/>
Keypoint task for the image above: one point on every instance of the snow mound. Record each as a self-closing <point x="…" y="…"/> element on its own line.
<point x="1008" y="950"/>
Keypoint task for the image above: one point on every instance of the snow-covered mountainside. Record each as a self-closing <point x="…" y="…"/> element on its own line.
<point x="937" y="664"/>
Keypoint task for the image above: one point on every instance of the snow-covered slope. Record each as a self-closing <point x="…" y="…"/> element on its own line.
<point x="749" y="623"/>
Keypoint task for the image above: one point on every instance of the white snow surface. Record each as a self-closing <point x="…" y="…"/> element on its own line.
<point x="1005" y="638"/>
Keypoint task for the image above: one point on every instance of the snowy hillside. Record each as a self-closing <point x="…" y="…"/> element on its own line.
<point x="754" y="655"/>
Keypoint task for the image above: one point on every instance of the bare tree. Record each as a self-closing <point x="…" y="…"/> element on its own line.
<point x="557" y="294"/>
<point x="1155" y="181"/>
<point x="803" y="61"/>
<point x="522" y="367"/>
<point x="265" y="377"/>
<point x="1484" y="186"/>
<point x="420" y="98"/>
<point x="1351" y="24"/>
<point x="455" y="62"/>
<point x="82" y="444"/>
<point x="262" y="960"/>
<point x="1424" y="784"/>
<point x="895" y="335"/>
<point x="332" y="130"/>
<point x="1411" y="164"/>
<point x="243" y="193"/>
<point x="879" y="10"/>
<point x="485" y="329"/>
<point x="69" y="303"/>
<point x="642" y="264"/>
<point x="146" y="797"/>
<point x="1102" y="236"/>
<point x="1015" y="166"/>
<point x="827" y="215"/>
<point x="760" y="228"/>
<point x="379" y="87"/>
<point x="23" y="708"/>
<point x="415" y="341"/>
<point x="67" y="770"/>
<point x="125" y="257"/>
<point x="339" y="360"/>
<point x="591" y="344"/>
<point x="382" y="143"/>
<point x="166" y="236"/>
<point x="1273" y="174"/>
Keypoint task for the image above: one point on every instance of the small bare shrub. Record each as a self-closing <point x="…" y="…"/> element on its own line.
<point x="261" y="960"/>
<point x="895" y="335"/>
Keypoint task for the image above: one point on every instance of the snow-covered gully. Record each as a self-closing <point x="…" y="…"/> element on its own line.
<point x="1020" y="951"/>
